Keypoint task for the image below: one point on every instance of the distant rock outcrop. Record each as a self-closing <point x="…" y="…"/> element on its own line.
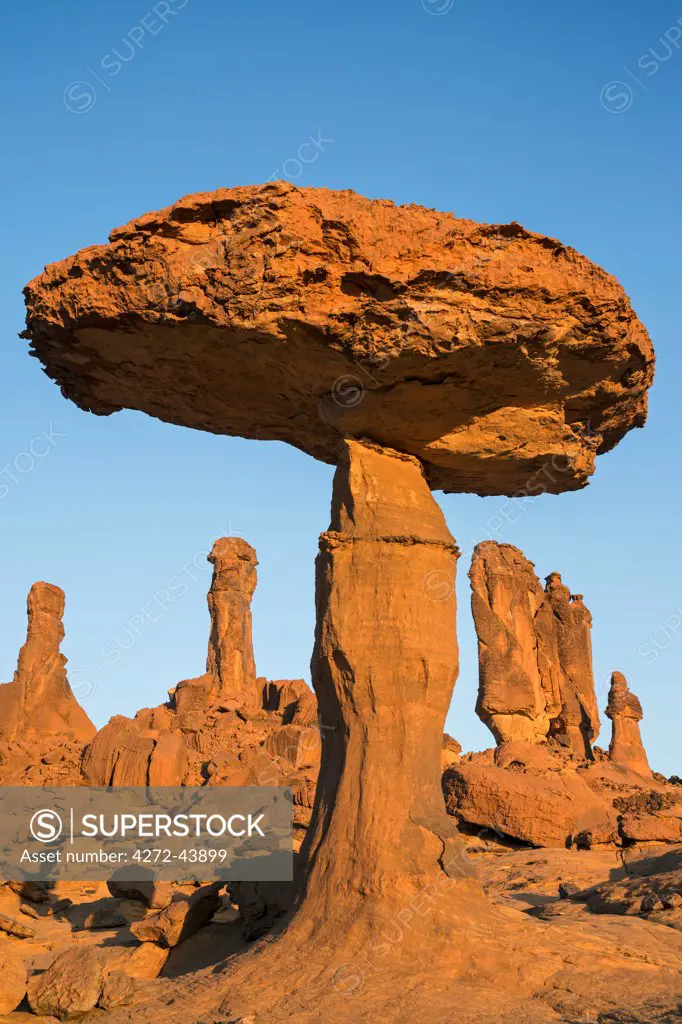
<point x="226" y="727"/>
<point x="230" y="651"/>
<point x="625" y="712"/>
<point x="39" y="703"/>
<point x="43" y="728"/>
<point x="535" y="653"/>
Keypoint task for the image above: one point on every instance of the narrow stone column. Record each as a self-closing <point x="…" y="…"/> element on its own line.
<point x="625" y="712"/>
<point x="230" y="648"/>
<point x="384" y="666"/>
<point x="578" y="721"/>
<point x="39" y="701"/>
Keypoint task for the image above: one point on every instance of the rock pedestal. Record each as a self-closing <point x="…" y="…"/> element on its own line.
<point x="384" y="666"/>
<point x="625" y="711"/>
<point x="39" y="703"/>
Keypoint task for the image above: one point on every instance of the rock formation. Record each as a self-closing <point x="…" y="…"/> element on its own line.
<point x="513" y="699"/>
<point x="250" y="311"/>
<point x="535" y="653"/>
<point x="230" y="650"/>
<point x="544" y="784"/>
<point x="625" y="712"/>
<point x="384" y="666"/>
<point x="578" y="721"/>
<point x="298" y="315"/>
<point x="226" y="727"/>
<point x="39" y="705"/>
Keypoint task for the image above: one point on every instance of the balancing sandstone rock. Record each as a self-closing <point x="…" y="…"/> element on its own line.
<point x="413" y="350"/>
<point x="297" y="315"/>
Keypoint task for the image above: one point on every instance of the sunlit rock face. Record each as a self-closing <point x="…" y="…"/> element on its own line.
<point x="501" y="358"/>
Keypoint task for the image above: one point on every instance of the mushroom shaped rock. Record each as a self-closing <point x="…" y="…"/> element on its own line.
<point x="502" y="359"/>
<point x="625" y="711"/>
<point x="414" y="351"/>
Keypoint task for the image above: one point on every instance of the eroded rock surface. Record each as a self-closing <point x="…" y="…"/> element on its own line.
<point x="70" y="986"/>
<point x="230" y="651"/>
<point x="299" y="315"/>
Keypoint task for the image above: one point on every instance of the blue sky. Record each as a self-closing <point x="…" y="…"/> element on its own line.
<point x="564" y="116"/>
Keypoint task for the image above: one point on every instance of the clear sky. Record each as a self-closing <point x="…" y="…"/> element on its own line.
<point x="564" y="116"/>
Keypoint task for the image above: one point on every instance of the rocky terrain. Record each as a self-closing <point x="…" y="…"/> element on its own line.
<point x="489" y="359"/>
<point x="545" y="782"/>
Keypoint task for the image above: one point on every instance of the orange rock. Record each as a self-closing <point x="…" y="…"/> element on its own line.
<point x="39" y="705"/>
<point x="180" y="919"/>
<point x="625" y="712"/>
<point x="230" y="653"/>
<point x="299" y="315"/>
<point x="535" y="653"/>
<point x="13" y="980"/>
<point x="543" y="810"/>
<point x="384" y="666"/>
<point x="70" y="987"/>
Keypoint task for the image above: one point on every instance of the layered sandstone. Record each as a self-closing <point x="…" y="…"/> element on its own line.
<point x="300" y="315"/>
<point x="384" y="666"/>
<point x="625" y="712"/>
<point x="38" y="706"/>
<point x="535" y="653"/>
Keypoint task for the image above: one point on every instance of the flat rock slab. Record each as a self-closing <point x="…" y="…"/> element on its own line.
<point x="501" y="358"/>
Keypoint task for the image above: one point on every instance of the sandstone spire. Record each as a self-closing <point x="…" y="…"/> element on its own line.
<point x="535" y="653"/>
<point x="578" y="721"/>
<point x="505" y="597"/>
<point x="384" y="666"/>
<point x="39" y="703"/>
<point x="625" y="712"/>
<point x="230" y="648"/>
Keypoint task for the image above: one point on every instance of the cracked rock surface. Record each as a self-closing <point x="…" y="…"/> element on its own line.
<point x="504" y="360"/>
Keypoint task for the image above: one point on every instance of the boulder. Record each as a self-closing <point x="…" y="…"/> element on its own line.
<point x="13" y="981"/>
<point x="303" y="315"/>
<point x="118" y="989"/>
<point x="299" y="744"/>
<point x="168" y="761"/>
<point x="70" y="987"/>
<point x="543" y="810"/>
<point x="155" y="895"/>
<point x="180" y="919"/>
